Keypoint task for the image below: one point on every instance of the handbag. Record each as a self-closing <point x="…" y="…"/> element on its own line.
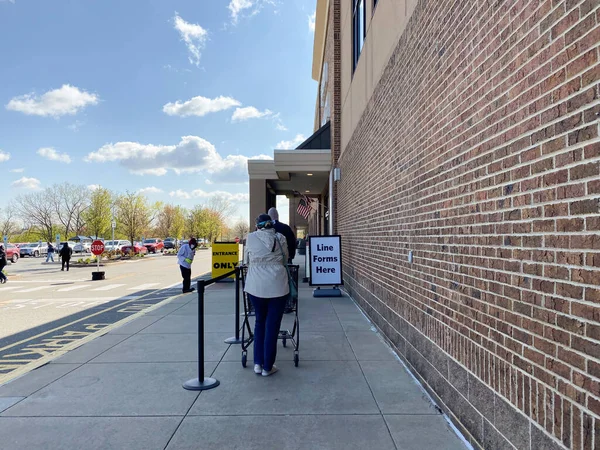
<point x="291" y="283"/>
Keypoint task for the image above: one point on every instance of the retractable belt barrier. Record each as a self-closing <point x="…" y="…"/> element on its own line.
<point x="203" y="383"/>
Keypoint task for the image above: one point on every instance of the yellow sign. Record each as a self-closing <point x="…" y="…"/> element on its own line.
<point x="225" y="258"/>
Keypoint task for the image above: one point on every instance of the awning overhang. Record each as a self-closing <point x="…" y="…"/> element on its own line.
<point x="300" y="170"/>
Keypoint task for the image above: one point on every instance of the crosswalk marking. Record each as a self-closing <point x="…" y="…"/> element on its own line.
<point x="73" y="288"/>
<point x="39" y="288"/>
<point x="141" y="287"/>
<point x="8" y="288"/>
<point x="108" y="287"/>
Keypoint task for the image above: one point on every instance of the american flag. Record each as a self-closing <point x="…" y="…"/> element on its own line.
<point x="304" y="206"/>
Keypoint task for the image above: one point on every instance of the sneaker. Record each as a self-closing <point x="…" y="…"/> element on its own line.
<point x="270" y="372"/>
<point x="257" y="369"/>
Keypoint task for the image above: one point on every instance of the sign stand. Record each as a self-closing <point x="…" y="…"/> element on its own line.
<point x="325" y="260"/>
<point x="98" y="249"/>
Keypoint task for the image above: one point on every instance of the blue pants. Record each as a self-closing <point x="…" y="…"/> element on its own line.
<point x="269" y="312"/>
<point x="50" y="256"/>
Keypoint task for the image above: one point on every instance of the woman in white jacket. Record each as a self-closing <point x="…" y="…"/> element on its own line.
<point x="267" y="287"/>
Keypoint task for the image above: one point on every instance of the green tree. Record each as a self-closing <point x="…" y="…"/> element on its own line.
<point x="178" y="222"/>
<point x="98" y="216"/>
<point x="134" y="215"/>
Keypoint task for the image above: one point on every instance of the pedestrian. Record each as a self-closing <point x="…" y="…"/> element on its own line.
<point x="286" y="230"/>
<point x="3" y="263"/>
<point x="267" y="287"/>
<point x="185" y="257"/>
<point x="65" y="254"/>
<point x="50" y="255"/>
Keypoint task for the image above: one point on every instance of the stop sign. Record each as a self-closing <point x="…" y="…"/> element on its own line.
<point x="97" y="247"/>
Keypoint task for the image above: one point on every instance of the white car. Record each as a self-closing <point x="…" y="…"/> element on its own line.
<point x="34" y="249"/>
<point x="111" y="246"/>
<point x="83" y="247"/>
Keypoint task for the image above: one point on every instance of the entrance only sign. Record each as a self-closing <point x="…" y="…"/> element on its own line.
<point x="325" y="260"/>
<point x="225" y="258"/>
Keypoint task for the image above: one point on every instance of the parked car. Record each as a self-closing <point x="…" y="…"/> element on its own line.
<point x="19" y="244"/>
<point x="154" y="245"/>
<point x="83" y="247"/>
<point x="170" y="243"/>
<point x="116" y="245"/>
<point x="34" y="249"/>
<point x="12" y="253"/>
<point x="136" y="248"/>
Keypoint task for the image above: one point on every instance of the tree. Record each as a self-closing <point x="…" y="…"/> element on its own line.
<point x="134" y="216"/>
<point x="8" y="221"/>
<point x="70" y="202"/>
<point x="99" y="214"/>
<point x="178" y="223"/>
<point x="37" y="210"/>
<point x="241" y="229"/>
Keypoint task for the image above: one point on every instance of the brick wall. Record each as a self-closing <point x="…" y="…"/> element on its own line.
<point x="479" y="152"/>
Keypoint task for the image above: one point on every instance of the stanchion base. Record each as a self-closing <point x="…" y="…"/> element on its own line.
<point x="234" y="340"/>
<point x="196" y="385"/>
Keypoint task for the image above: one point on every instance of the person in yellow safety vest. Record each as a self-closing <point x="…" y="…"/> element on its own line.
<point x="185" y="257"/>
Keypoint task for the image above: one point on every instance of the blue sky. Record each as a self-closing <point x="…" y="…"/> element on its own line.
<point x="168" y="95"/>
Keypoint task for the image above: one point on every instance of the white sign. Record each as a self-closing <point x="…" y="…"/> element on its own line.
<point x="113" y="225"/>
<point x="325" y="256"/>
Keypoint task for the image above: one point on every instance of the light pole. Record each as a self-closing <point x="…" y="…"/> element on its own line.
<point x="113" y="225"/>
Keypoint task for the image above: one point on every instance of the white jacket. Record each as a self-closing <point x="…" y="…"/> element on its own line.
<point x="267" y="276"/>
<point x="185" y="253"/>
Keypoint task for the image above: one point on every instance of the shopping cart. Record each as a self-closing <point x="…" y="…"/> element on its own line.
<point x="284" y="335"/>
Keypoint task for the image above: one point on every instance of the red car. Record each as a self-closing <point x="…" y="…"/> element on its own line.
<point x="136" y="248"/>
<point x="12" y="253"/>
<point x="154" y="245"/>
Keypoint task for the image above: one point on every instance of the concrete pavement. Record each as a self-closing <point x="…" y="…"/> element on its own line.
<point x="123" y="390"/>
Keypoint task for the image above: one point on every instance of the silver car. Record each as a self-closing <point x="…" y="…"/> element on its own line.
<point x="34" y="249"/>
<point x="83" y="247"/>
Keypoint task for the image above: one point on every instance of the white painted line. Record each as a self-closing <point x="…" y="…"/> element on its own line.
<point x="108" y="287"/>
<point x="39" y="288"/>
<point x="141" y="287"/>
<point x="73" y="288"/>
<point x="63" y="300"/>
<point x="8" y="288"/>
<point x="45" y="281"/>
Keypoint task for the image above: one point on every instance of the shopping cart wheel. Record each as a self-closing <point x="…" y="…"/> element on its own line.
<point x="284" y="342"/>
<point x="244" y="359"/>
<point x="296" y="359"/>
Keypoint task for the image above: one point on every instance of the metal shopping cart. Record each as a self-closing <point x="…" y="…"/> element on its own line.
<point x="284" y="335"/>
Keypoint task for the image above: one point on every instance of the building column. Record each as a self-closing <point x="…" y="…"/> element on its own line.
<point x="258" y="199"/>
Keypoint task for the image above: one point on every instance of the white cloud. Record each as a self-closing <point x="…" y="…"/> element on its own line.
<point x="311" y="21"/>
<point x="53" y="155"/>
<point x="194" y="37"/>
<point x="26" y="183"/>
<point x="93" y="187"/>
<point x="4" y="156"/>
<point x="200" y="194"/>
<point x="199" y="106"/>
<point x="209" y="182"/>
<point x="253" y="7"/>
<point x="150" y="190"/>
<point x="289" y="145"/>
<point x="17" y="170"/>
<point x="192" y="154"/>
<point x="75" y="126"/>
<point x="249" y="112"/>
<point x="281" y="127"/>
<point x="9" y="1"/>
<point x="68" y="100"/>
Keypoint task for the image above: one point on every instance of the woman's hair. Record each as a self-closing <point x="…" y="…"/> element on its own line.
<point x="264" y="221"/>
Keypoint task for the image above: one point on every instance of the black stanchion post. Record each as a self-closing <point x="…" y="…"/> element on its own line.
<point x="236" y="339"/>
<point x="201" y="383"/>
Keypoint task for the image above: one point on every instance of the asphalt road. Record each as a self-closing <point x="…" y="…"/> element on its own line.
<point x="43" y="309"/>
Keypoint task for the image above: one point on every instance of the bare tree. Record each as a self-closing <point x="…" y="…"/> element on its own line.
<point x="37" y="210"/>
<point x="241" y="229"/>
<point x="70" y="202"/>
<point x="8" y="221"/>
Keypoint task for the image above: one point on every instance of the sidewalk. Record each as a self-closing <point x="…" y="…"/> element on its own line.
<point x="124" y="389"/>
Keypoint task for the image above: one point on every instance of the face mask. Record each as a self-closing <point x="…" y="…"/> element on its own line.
<point x="192" y="247"/>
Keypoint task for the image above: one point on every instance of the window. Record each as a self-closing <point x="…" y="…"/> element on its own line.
<point x="374" y="5"/>
<point x="324" y="95"/>
<point x="358" y="29"/>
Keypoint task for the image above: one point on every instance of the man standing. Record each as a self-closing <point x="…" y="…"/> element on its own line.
<point x="65" y="254"/>
<point x="3" y="263"/>
<point x="185" y="257"/>
<point x="50" y="256"/>
<point x="284" y="229"/>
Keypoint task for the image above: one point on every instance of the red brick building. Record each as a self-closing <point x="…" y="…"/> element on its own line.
<point x="466" y="137"/>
